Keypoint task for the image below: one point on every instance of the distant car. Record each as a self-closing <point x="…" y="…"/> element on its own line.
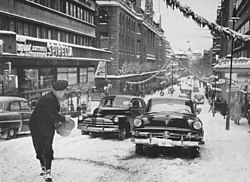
<point x="199" y="98"/>
<point x="115" y="114"/>
<point x="168" y="122"/>
<point x="195" y="89"/>
<point x="15" y="113"/>
<point x="183" y="96"/>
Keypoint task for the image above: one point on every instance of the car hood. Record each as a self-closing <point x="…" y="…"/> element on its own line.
<point x="113" y="111"/>
<point x="169" y="119"/>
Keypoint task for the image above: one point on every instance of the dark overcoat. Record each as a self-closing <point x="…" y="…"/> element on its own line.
<point x="46" y="114"/>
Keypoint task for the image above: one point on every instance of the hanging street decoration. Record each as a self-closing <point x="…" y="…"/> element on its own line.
<point x="202" y="22"/>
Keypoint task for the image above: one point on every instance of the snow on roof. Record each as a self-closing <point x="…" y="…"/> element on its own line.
<point x="241" y="62"/>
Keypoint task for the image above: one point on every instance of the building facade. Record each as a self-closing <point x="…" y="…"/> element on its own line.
<point x="42" y="41"/>
<point x="239" y="9"/>
<point x="132" y="32"/>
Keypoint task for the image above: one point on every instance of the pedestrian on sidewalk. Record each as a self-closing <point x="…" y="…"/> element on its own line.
<point x="42" y="125"/>
<point x="235" y="111"/>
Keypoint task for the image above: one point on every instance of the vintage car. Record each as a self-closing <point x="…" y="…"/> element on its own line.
<point x="115" y="114"/>
<point x="14" y="116"/>
<point x="168" y="122"/>
<point x="198" y="98"/>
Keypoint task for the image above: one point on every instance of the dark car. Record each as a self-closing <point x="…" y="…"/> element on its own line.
<point x="115" y="114"/>
<point x="15" y="113"/>
<point x="168" y="122"/>
<point x="198" y="98"/>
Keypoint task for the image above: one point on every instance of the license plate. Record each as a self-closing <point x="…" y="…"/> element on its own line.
<point x="166" y="143"/>
<point x="91" y="129"/>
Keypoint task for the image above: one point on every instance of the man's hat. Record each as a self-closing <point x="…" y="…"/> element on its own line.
<point x="60" y="85"/>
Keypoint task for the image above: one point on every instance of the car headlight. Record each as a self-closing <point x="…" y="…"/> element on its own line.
<point x="137" y="122"/>
<point x="115" y="119"/>
<point x="197" y="125"/>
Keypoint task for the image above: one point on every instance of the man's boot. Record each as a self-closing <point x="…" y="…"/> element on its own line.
<point x="48" y="176"/>
<point x="43" y="171"/>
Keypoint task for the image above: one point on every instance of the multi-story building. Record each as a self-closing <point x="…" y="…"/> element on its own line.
<point x="45" y="40"/>
<point x="132" y="32"/>
<point x="241" y="10"/>
<point x="234" y="14"/>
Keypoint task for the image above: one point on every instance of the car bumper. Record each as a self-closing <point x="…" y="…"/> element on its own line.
<point x="98" y="129"/>
<point x="162" y="142"/>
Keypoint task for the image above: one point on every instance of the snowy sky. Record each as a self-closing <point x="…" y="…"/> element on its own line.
<point x="184" y="33"/>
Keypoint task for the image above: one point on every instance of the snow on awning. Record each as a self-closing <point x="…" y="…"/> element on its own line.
<point x="241" y="62"/>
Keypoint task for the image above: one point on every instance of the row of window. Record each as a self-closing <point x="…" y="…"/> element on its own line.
<point x="245" y="28"/>
<point x="43" y="77"/>
<point x="70" y="8"/>
<point x="42" y="31"/>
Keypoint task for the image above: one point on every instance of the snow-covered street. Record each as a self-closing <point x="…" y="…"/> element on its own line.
<point x="224" y="157"/>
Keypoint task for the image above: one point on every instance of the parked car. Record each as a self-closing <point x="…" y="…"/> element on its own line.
<point x="168" y="122"/>
<point x="198" y="98"/>
<point x="115" y="114"/>
<point x="195" y="89"/>
<point x="15" y="113"/>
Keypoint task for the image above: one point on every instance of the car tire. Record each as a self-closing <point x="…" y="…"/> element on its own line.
<point x="122" y="134"/>
<point x="139" y="149"/>
<point x="84" y="132"/>
<point x="195" y="151"/>
<point x="11" y="133"/>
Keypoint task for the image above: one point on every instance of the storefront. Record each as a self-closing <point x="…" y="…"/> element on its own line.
<point x="32" y="65"/>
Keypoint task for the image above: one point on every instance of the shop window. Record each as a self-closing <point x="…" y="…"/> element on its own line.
<point x="69" y="74"/>
<point x="91" y="74"/>
<point x="29" y="79"/>
<point x="46" y="77"/>
<point x="83" y="75"/>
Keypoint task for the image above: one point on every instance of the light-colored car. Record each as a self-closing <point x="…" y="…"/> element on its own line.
<point x="15" y="113"/>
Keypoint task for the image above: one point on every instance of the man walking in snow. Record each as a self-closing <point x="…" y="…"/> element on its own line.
<point x="42" y="125"/>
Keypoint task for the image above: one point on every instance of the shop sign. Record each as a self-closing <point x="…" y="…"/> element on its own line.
<point x="49" y="49"/>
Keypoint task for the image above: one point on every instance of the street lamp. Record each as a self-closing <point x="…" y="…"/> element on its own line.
<point x="233" y="19"/>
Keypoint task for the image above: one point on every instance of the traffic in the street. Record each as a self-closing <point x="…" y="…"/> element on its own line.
<point x="100" y="157"/>
<point x="125" y="90"/>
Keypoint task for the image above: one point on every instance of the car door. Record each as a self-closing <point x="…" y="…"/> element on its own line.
<point x="25" y="112"/>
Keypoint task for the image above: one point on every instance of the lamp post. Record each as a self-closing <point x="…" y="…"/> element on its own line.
<point x="172" y="88"/>
<point x="233" y="19"/>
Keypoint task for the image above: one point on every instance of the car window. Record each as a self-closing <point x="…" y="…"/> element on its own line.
<point x="1" y="105"/>
<point x="170" y="105"/>
<point x="14" y="106"/>
<point x="25" y="105"/>
<point x="121" y="102"/>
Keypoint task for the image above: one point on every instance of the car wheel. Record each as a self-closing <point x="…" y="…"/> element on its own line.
<point x="122" y="134"/>
<point x="84" y="132"/>
<point x="139" y="149"/>
<point x="11" y="133"/>
<point x="195" y="152"/>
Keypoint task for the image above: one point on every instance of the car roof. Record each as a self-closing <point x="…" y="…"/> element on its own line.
<point x="170" y="98"/>
<point x="126" y="96"/>
<point x="11" y="98"/>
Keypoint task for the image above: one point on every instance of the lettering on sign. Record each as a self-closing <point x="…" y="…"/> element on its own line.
<point x="51" y="50"/>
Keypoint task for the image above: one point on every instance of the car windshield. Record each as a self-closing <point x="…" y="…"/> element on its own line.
<point x="198" y="96"/>
<point x="115" y="102"/>
<point x="172" y="105"/>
